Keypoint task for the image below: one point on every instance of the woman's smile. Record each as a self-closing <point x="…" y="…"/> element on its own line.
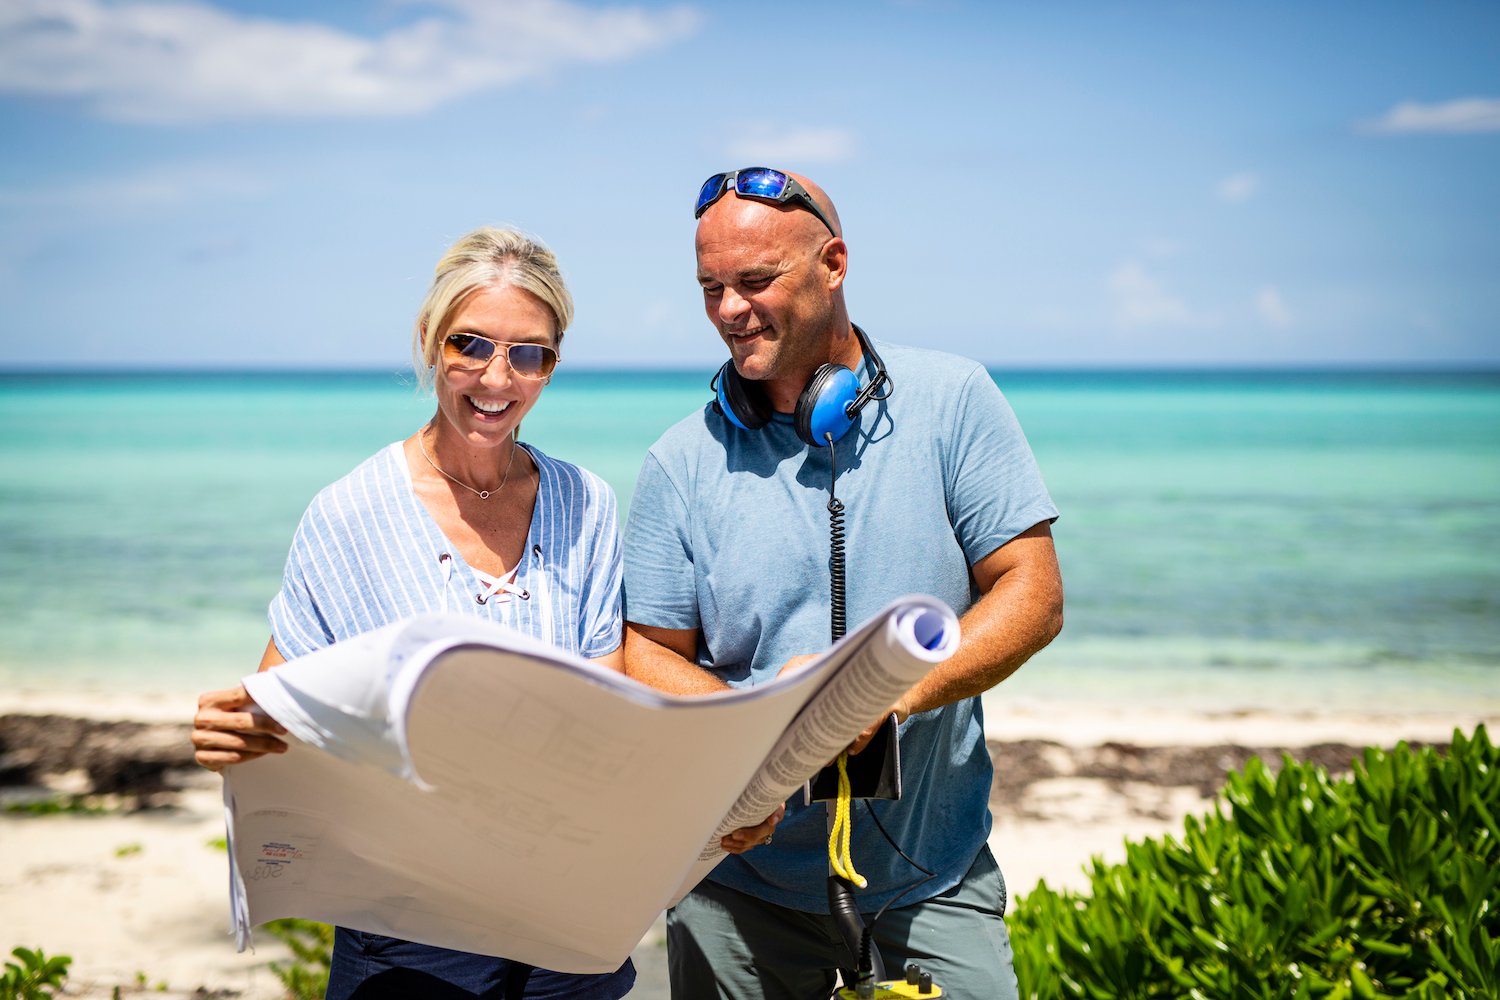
<point x="489" y="408"/>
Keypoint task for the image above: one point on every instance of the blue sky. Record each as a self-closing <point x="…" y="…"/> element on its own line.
<point x="226" y="184"/>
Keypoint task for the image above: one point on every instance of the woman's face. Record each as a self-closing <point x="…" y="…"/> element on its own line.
<point x="486" y="405"/>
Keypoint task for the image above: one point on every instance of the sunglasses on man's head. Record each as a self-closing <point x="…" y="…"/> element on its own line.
<point x="471" y="352"/>
<point x="758" y="182"/>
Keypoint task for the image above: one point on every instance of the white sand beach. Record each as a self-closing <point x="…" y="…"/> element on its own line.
<point x="140" y="899"/>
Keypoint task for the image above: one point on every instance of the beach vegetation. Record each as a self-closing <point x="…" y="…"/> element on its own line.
<point x="57" y="805"/>
<point x="31" y="975"/>
<point x="1382" y="884"/>
<point x="311" y="943"/>
<point x="143" y="983"/>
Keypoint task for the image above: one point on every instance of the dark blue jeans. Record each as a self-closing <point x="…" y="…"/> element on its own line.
<point x="374" y="967"/>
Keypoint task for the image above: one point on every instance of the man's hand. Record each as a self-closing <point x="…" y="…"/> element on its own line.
<point x="231" y="729"/>
<point x="899" y="710"/>
<point x="746" y="837"/>
<point x="863" y="739"/>
<point x="795" y="662"/>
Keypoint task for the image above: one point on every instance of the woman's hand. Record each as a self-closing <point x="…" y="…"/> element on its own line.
<point x="231" y="729"/>
<point x="746" y="837"/>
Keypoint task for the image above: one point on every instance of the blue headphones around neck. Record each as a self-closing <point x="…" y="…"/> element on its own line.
<point x="828" y="406"/>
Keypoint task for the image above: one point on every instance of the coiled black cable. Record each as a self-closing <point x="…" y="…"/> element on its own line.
<point x="858" y="935"/>
<point x="841" y="905"/>
<point x="838" y="615"/>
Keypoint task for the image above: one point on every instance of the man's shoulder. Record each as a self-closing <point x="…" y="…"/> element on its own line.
<point x="927" y="361"/>
<point x="932" y="379"/>
<point x="687" y="434"/>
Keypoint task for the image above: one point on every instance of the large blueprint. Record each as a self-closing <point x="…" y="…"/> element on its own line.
<point x="459" y="784"/>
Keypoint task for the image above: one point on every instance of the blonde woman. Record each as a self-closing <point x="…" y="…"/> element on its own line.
<point x="461" y="516"/>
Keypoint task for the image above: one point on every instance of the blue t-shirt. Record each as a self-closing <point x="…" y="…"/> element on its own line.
<point x="729" y="534"/>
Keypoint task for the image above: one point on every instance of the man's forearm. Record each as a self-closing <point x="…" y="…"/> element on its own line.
<point x="664" y="668"/>
<point x="1020" y="615"/>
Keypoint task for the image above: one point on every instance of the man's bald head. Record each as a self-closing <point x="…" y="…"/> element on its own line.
<point x="825" y="203"/>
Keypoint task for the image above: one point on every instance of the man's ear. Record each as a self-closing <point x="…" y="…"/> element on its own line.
<point x="835" y="261"/>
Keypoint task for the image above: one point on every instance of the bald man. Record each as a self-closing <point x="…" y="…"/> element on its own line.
<point x="727" y="564"/>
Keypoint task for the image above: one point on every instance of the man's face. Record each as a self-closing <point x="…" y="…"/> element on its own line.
<point x="767" y="289"/>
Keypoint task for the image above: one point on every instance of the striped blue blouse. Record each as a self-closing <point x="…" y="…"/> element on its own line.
<point x="367" y="554"/>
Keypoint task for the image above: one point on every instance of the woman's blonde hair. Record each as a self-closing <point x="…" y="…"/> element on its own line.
<point x="486" y="258"/>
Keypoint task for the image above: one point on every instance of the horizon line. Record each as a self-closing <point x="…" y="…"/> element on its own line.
<point x="1167" y="368"/>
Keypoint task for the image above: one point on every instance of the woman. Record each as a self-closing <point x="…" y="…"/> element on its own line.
<point x="460" y="516"/>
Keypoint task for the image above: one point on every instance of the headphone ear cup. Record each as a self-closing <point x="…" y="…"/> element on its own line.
<point x="741" y="403"/>
<point x="823" y="407"/>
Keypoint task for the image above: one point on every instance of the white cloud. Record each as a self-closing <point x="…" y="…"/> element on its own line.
<point x="1272" y="308"/>
<point x="1140" y="301"/>
<point x="1239" y="187"/>
<point x="1473" y="114"/>
<point x="789" y="148"/>
<point x="155" y="188"/>
<point x="184" y="61"/>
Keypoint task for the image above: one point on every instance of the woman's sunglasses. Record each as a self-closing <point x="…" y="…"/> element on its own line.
<point x="758" y="182"/>
<point x="471" y="352"/>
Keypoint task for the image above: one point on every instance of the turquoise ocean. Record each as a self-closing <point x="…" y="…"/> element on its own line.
<point x="1229" y="540"/>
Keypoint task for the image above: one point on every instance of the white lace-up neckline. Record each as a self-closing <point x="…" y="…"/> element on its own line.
<point x="490" y="586"/>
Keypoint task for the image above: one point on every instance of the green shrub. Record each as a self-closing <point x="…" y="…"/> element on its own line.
<point x="306" y="977"/>
<point x="1383" y="884"/>
<point x="33" y="976"/>
<point x="56" y="805"/>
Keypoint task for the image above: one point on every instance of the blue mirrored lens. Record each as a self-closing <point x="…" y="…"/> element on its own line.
<point x="760" y="182"/>
<point x="709" y="193"/>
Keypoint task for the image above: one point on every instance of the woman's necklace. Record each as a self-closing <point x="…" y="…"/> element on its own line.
<point x="481" y="494"/>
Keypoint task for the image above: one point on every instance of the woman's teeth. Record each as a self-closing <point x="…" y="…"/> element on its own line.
<point x="492" y="408"/>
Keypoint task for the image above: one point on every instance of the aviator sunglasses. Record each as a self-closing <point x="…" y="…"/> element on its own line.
<point x="471" y="352"/>
<point x="758" y="182"/>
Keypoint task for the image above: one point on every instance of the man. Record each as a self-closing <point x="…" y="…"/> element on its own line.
<point x="727" y="562"/>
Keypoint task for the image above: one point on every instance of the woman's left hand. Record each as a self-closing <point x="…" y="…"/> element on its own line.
<point x="230" y="728"/>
